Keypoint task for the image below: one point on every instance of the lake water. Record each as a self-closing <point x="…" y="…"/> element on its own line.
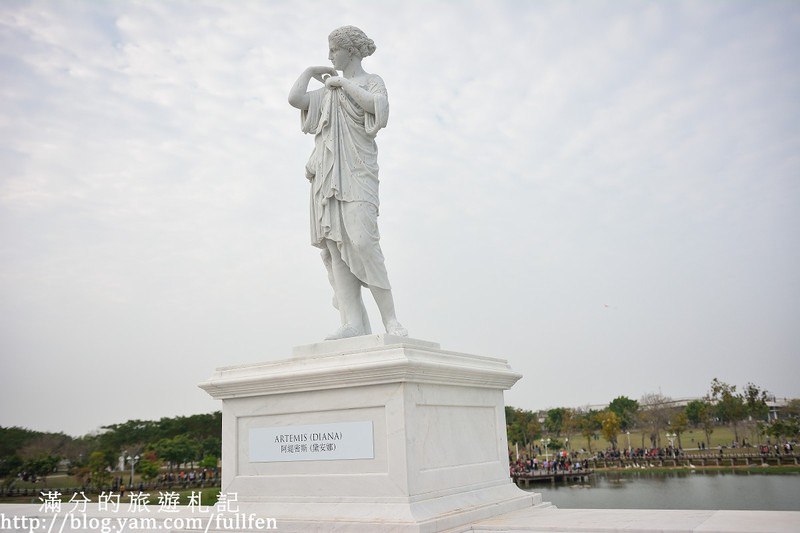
<point x="680" y="490"/>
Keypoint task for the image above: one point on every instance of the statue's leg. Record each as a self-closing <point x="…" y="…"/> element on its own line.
<point x="326" y="260"/>
<point x="360" y="222"/>
<point x="385" y="301"/>
<point x="348" y="296"/>
<point x="364" y="316"/>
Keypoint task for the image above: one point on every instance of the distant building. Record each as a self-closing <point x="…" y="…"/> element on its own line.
<point x="777" y="407"/>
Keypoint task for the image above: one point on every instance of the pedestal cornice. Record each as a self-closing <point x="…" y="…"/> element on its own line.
<point x="362" y="361"/>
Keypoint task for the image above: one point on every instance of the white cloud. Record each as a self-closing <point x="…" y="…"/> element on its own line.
<point x="541" y="160"/>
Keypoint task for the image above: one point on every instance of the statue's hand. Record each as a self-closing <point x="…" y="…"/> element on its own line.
<point x="318" y="73"/>
<point x="334" y="82"/>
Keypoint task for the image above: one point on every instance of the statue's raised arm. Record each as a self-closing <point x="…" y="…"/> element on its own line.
<point x="298" y="96"/>
<point x="344" y="116"/>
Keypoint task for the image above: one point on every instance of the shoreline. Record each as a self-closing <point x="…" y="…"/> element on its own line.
<point x="739" y="469"/>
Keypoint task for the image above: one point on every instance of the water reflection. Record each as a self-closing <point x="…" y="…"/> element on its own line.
<point x="678" y="490"/>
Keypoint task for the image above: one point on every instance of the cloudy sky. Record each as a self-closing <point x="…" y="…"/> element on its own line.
<point x="606" y="194"/>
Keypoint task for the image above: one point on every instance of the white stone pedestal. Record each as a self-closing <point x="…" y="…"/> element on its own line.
<point x="369" y="433"/>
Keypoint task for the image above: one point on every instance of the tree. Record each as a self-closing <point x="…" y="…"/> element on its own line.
<point x="792" y="409"/>
<point x="209" y="461"/>
<point x="138" y="434"/>
<point x="532" y="429"/>
<point x="694" y="410"/>
<point x="554" y="422"/>
<point x="569" y="424"/>
<point x="33" y="452"/>
<point x="521" y="426"/>
<point x="654" y="413"/>
<point x="789" y="427"/>
<point x="200" y="437"/>
<point x="42" y="466"/>
<point x="213" y="446"/>
<point x="755" y="400"/>
<point x="197" y="426"/>
<point x="610" y="425"/>
<point x="99" y="469"/>
<point x="133" y="434"/>
<point x="177" y="450"/>
<point x="13" y="439"/>
<point x="589" y="423"/>
<point x="10" y="465"/>
<point x="83" y="474"/>
<point x="730" y="407"/>
<point x="148" y="468"/>
<point x="626" y="409"/>
<point x="700" y="414"/>
<point x="679" y="424"/>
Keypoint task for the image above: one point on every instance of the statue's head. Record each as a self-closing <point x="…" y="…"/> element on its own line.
<point x="353" y="40"/>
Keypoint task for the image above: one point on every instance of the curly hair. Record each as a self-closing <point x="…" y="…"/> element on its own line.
<point x="353" y="40"/>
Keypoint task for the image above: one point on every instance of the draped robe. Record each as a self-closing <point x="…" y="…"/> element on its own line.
<point x="343" y="171"/>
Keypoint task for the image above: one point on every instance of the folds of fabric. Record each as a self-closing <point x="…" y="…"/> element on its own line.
<point x="343" y="170"/>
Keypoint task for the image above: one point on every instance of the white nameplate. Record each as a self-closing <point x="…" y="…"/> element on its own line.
<point x="314" y="442"/>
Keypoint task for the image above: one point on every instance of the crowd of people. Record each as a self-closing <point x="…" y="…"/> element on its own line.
<point x="576" y="461"/>
<point x="787" y="448"/>
<point x="643" y="453"/>
<point x="170" y="479"/>
<point x="191" y="477"/>
<point x="561" y="462"/>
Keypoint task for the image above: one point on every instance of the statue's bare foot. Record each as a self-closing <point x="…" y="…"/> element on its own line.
<point x="344" y="332"/>
<point x="396" y="329"/>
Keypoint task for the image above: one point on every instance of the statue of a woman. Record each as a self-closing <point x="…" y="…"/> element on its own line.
<point x="344" y="116"/>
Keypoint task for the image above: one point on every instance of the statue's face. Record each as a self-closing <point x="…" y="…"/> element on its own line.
<point x="338" y="56"/>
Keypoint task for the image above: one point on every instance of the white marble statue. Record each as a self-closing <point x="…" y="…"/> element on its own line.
<point x="344" y="116"/>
